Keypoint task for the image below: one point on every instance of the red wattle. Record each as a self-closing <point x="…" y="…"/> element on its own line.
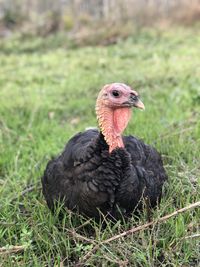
<point x="121" y="118"/>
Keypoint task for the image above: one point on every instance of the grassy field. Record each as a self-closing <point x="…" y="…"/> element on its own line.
<point x="47" y="94"/>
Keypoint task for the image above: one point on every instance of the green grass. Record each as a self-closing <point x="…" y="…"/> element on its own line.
<point x="48" y="94"/>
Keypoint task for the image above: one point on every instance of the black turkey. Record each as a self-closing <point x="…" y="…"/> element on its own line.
<point x="103" y="171"/>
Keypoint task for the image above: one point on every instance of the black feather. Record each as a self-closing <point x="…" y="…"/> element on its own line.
<point x="88" y="179"/>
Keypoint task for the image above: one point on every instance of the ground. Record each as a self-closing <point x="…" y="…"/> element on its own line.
<point x="47" y="94"/>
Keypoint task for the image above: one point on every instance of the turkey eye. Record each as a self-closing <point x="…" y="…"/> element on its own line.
<point x="115" y="93"/>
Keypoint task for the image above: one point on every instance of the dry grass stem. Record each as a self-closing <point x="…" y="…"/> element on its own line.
<point x="13" y="249"/>
<point x="136" y="229"/>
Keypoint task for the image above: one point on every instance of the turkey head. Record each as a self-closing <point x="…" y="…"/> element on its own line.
<point x="113" y="109"/>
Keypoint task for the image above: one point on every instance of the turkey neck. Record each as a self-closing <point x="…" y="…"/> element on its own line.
<point x="112" y="123"/>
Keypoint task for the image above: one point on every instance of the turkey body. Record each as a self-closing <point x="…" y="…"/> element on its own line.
<point x="89" y="179"/>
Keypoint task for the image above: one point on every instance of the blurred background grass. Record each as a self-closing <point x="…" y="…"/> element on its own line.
<point x="93" y="22"/>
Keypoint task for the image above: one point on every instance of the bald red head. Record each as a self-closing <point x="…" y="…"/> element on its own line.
<point x="113" y="108"/>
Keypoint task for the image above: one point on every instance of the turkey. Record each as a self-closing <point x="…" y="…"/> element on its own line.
<point x="103" y="172"/>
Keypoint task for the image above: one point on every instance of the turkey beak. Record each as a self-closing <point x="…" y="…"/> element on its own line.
<point x="136" y="102"/>
<point x="139" y="104"/>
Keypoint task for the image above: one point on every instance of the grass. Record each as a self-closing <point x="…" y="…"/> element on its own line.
<point x="48" y="94"/>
